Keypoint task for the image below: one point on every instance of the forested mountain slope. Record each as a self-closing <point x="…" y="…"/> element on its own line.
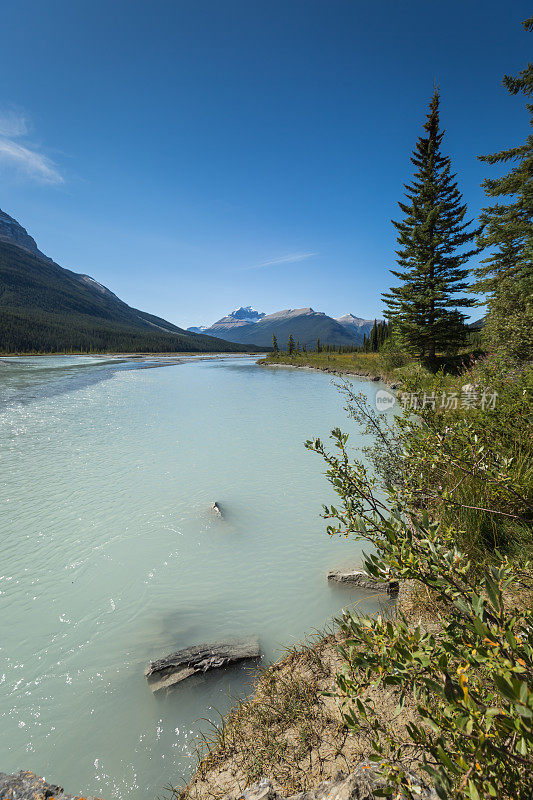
<point x="45" y="308"/>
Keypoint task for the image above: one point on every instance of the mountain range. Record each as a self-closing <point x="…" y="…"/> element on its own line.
<point x="245" y="325"/>
<point x="46" y="308"/>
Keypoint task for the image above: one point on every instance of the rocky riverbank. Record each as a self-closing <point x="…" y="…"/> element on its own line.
<point x="361" y="784"/>
<point x="25" y="785"/>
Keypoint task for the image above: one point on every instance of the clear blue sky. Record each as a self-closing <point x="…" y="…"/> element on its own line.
<point x="197" y="156"/>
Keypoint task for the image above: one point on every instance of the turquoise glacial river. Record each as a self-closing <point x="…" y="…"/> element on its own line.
<point x="110" y="556"/>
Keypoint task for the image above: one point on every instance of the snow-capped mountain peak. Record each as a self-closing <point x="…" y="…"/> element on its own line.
<point x="246" y="314"/>
<point x="351" y="321"/>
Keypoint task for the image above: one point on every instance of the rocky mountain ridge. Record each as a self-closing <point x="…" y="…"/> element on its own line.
<point x="13" y="232"/>
<point x="358" y="323"/>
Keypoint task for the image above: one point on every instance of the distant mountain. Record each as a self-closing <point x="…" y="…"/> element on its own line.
<point x="356" y="324"/>
<point x="245" y="315"/>
<point x="305" y="324"/>
<point x="46" y="308"/>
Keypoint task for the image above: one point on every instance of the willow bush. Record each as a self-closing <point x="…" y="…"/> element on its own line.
<point x="469" y="673"/>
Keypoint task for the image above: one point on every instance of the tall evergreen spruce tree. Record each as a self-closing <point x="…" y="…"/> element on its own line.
<point x="431" y="255"/>
<point x="275" y="347"/>
<point x="290" y="345"/>
<point x="506" y="276"/>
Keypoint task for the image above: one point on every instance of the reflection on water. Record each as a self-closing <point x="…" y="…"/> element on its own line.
<point x="110" y="556"/>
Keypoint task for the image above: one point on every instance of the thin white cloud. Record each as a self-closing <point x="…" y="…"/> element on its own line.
<point x="289" y="259"/>
<point x="13" y="123"/>
<point x="21" y="157"/>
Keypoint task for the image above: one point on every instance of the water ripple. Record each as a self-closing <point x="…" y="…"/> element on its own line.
<point x="111" y="557"/>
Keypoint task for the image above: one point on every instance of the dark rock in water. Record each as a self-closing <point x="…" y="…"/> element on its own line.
<point x="375" y="378"/>
<point x="363" y="581"/>
<point x="361" y="784"/>
<point x="28" y="786"/>
<point x="172" y="669"/>
<point x="215" y="508"/>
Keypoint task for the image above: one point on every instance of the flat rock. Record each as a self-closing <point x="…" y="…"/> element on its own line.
<point x="361" y="784"/>
<point x="25" y="785"/>
<point x="176" y="667"/>
<point x="363" y="581"/>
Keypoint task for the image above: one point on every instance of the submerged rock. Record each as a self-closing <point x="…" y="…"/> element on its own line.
<point x="172" y="669"/>
<point x="361" y="784"/>
<point x="25" y="785"/>
<point x="363" y="581"/>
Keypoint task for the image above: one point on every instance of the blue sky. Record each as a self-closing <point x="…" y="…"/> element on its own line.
<point x="197" y="156"/>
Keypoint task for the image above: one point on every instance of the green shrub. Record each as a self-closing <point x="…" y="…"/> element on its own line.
<point x="471" y="682"/>
<point x="447" y="507"/>
<point x="391" y="356"/>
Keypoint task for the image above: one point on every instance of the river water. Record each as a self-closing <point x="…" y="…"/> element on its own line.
<point x="110" y="556"/>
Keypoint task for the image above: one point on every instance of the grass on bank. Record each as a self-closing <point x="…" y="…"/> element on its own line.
<point x="290" y="730"/>
<point x="392" y="366"/>
<point x="348" y="362"/>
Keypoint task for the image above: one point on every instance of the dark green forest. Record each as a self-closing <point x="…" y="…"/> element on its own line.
<point x="36" y="332"/>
